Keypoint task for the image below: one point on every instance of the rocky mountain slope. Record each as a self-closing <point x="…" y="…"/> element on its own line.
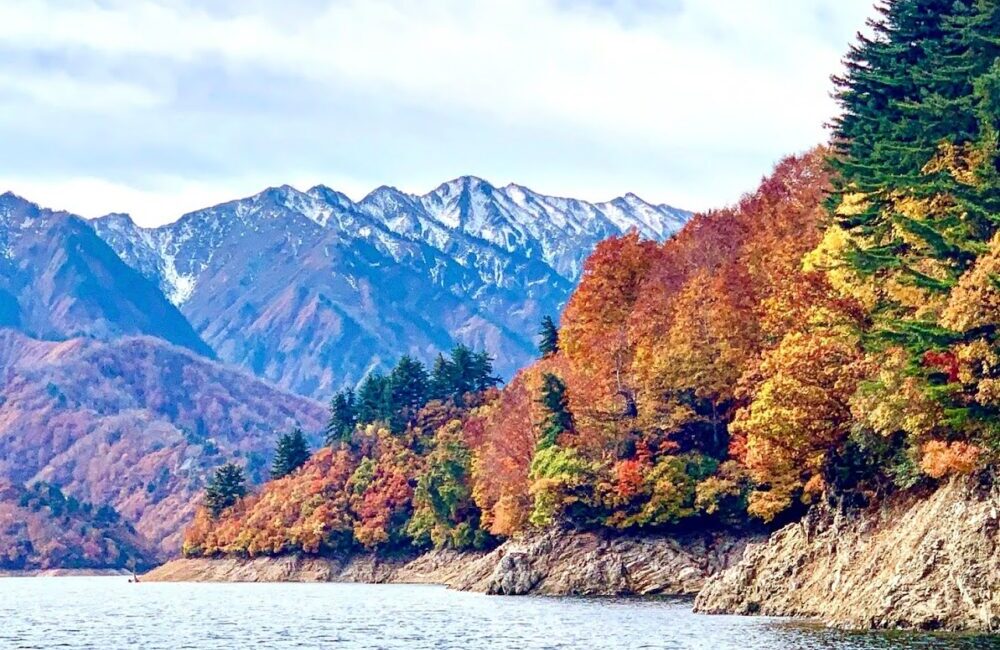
<point x="135" y="423"/>
<point x="58" y="280"/>
<point x="917" y="561"/>
<point x="311" y="290"/>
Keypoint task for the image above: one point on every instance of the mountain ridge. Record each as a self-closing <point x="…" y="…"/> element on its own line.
<point x="59" y="279"/>
<point x="312" y="290"/>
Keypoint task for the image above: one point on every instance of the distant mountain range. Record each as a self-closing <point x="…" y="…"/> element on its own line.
<point x="59" y="280"/>
<point x="312" y="290"/>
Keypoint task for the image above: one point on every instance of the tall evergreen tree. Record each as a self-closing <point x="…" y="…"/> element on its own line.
<point x="463" y="371"/>
<point x="373" y="399"/>
<point x="225" y="488"/>
<point x="343" y="418"/>
<point x="920" y="83"/>
<point x="482" y="372"/>
<point x="548" y="343"/>
<point x="440" y="378"/>
<point x="291" y="453"/>
<point x="555" y="404"/>
<point x="918" y="186"/>
<point x="463" y="362"/>
<point x="408" y="391"/>
<point x="408" y="384"/>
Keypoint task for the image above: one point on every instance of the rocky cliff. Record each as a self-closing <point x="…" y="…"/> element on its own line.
<point x="552" y="563"/>
<point x="917" y="561"/>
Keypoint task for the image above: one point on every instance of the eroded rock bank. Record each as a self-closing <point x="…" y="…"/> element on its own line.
<point x="915" y="562"/>
<point x="551" y="563"/>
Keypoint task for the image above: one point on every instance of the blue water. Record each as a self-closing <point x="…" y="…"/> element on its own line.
<point x="107" y="613"/>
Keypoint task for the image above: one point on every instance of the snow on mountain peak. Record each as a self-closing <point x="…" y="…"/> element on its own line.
<point x="310" y="288"/>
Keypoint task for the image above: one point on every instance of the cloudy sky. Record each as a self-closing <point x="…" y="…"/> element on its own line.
<point x="157" y="107"/>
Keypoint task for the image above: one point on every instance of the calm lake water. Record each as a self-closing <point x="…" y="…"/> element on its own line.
<point x="108" y="613"/>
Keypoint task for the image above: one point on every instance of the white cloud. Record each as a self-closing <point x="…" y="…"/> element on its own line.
<point x="742" y="79"/>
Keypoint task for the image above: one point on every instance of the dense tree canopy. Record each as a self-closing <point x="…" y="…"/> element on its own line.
<point x="832" y="335"/>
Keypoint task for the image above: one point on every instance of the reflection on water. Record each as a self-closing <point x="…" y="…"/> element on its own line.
<point x="108" y="613"/>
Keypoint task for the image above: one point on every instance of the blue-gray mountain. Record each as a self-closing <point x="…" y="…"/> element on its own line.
<point x="311" y="290"/>
<point x="59" y="280"/>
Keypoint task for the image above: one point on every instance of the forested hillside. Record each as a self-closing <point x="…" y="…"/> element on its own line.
<point x="42" y="529"/>
<point x="136" y="424"/>
<point x="831" y="336"/>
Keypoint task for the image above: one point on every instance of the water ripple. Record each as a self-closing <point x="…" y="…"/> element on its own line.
<point x="109" y="613"/>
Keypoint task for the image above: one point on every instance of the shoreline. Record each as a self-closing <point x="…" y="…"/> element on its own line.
<point x="555" y="562"/>
<point x="61" y="573"/>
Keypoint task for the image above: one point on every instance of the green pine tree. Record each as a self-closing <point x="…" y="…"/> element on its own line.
<point x="462" y="372"/>
<point x="291" y="453"/>
<point x="373" y="399"/>
<point x="927" y="83"/>
<point x="408" y="392"/>
<point x="922" y="80"/>
<point x="482" y="372"/>
<point x="225" y="488"/>
<point x="549" y="341"/>
<point x="440" y="379"/>
<point x="343" y="418"/>
<point x="555" y="403"/>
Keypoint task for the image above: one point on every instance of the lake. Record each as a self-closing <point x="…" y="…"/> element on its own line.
<point x="108" y="613"/>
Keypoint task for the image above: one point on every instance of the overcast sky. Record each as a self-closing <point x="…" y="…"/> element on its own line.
<point x="160" y="107"/>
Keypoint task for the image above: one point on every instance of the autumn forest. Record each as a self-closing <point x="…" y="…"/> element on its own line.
<point x="830" y="338"/>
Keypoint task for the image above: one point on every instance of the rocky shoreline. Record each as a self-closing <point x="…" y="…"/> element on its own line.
<point x="553" y="563"/>
<point x="917" y="561"/>
<point x="925" y="561"/>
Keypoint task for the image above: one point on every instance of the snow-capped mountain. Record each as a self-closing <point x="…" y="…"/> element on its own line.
<point x="312" y="290"/>
<point x="59" y="280"/>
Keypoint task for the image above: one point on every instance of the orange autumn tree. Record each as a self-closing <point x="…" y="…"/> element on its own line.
<point x="596" y="341"/>
<point x="503" y="435"/>
<point x="627" y="424"/>
<point x="306" y="511"/>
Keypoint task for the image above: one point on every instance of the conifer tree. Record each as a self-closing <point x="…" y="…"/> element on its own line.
<point x="462" y="376"/>
<point x="440" y="378"/>
<point x="408" y="391"/>
<point x="373" y="399"/>
<point x="549" y="342"/>
<point x="921" y="83"/>
<point x="554" y="402"/>
<point x="291" y="453"/>
<point x="482" y="372"/>
<point x="918" y="187"/>
<point x="463" y="371"/>
<point x="224" y="489"/>
<point x="343" y="418"/>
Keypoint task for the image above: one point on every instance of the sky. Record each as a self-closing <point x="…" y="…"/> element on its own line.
<point x="157" y="107"/>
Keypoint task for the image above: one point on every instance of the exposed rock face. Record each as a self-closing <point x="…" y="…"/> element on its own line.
<point x="552" y="563"/>
<point x="450" y="568"/>
<point x="59" y="280"/>
<point x="921" y="563"/>
<point x="592" y="564"/>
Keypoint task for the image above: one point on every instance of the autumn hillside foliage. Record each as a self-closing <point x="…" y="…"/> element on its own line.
<point x="832" y="336"/>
